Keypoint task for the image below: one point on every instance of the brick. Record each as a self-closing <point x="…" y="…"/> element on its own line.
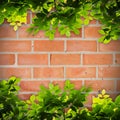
<point x="28" y="17"/>
<point x="61" y="83"/>
<point x="32" y="86"/>
<point x="52" y="72"/>
<point x="80" y="72"/>
<point x="77" y="83"/>
<point x="48" y="45"/>
<point x="65" y="59"/>
<point x="109" y="72"/>
<point x="23" y="33"/>
<point x="75" y="46"/>
<point x="113" y="46"/>
<point x="15" y="46"/>
<point x="7" y="31"/>
<point x="32" y="59"/>
<point x="118" y="86"/>
<point x="18" y="72"/>
<point x="92" y="32"/>
<point x="97" y="59"/>
<point x="89" y="99"/>
<point x="93" y="22"/>
<point x="117" y="58"/>
<point x="72" y="34"/>
<point x="99" y="85"/>
<point x="24" y="96"/>
<point x="7" y="59"/>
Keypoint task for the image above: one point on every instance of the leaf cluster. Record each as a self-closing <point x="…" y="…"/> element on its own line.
<point x="11" y="107"/>
<point x="54" y="103"/>
<point x="66" y="16"/>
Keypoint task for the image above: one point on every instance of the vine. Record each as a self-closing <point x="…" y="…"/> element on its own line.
<point x="65" y="15"/>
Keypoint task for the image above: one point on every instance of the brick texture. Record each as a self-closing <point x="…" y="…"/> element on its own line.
<point x="48" y="46"/>
<point x="15" y="46"/>
<point x="32" y="59"/>
<point x="99" y="85"/>
<point x="97" y="59"/>
<point x="75" y="46"/>
<point x="7" y="32"/>
<point x="48" y="72"/>
<point x="18" y="72"/>
<point x="82" y="72"/>
<point x="92" y="32"/>
<point x="80" y="59"/>
<point x="7" y="59"/>
<point x="34" y="85"/>
<point x="109" y="72"/>
<point x="65" y="59"/>
<point x="113" y="46"/>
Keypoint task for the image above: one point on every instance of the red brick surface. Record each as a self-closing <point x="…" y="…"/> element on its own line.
<point x="80" y="58"/>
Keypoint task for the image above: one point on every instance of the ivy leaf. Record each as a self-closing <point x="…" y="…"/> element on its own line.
<point x="32" y="98"/>
<point x="102" y="32"/>
<point x="86" y="21"/>
<point x="1" y="18"/>
<point x="67" y="33"/>
<point x="106" y="41"/>
<point x="103" y="92"/>
<point x="15" y="27"/>
<point x="117" y="100"/>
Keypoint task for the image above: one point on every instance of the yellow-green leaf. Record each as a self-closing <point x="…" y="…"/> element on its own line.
<point x="15" y="27"/>
<point x="103" y="92"/>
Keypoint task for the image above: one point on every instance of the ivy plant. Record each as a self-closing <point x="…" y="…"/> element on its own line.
<point x="11" y="107"/>
<point x="54" y="103"/>
<point x="65" y="15"/>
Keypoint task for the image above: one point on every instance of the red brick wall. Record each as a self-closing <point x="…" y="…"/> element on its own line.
<point x="79" y="58"/>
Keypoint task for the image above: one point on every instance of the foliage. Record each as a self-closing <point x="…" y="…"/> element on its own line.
<point x="11" y="107"/>
<point x="57" y="104"/>
<point x="103" y="108"/>
<point x="65" y="15"/>
<point x="54" y="103"/>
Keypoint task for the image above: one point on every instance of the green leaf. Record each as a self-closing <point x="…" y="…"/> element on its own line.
<point x="117" y="100"/>
<point x="67" y="33"/>
<point x="1" y="18"/>
<point x="32" y="98"/>
<point x="15" y="27"/>
<point x="102" y="32"/>
<point x="86" y="21"/>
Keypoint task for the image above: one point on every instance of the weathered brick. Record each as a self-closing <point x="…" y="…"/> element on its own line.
<point x="109" y="72"/>
<point x="80" y="45"/>
<point x="23" y="33"/>
<point x="92" y="32"/>
<point x="46" y="45"/>
<point x="80" y="72"/>
<point x="15" y="46"/>
<point x="65" y="59"/>
<point x="99" y="85"/>
<point x="113" y="46"/>
<point x="7" y="59"/>
<point x="24" y="96"/>
<point x="32" y="59"/>
<point x="18" y="72"/>
<point x="61" y="83"/>
<point x="51" y="72"/>
<point x="72" y="34"/>
<point x="117" y="58"/>
<point x="118" y="85"/>
<point x="33" y="86"/>
<point x="97" y="59"/>
<point x="7" y="31"/>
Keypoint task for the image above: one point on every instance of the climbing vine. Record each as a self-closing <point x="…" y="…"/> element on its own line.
<point x="65" y="15"/>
